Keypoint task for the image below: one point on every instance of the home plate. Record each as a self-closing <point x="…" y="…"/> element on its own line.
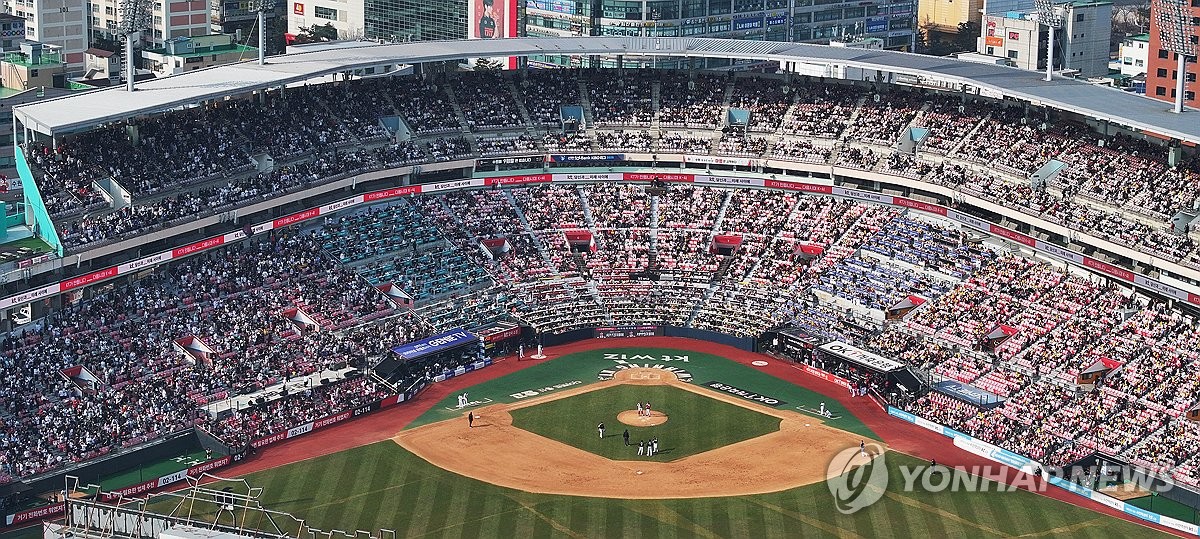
<point x="759" y="363"/>
<point x="639" y="472"/>
<point x="808" y="424"/>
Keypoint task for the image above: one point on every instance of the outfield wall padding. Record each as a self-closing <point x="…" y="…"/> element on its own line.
<point x="741" y="343"/>
<point x="582" y="334"/>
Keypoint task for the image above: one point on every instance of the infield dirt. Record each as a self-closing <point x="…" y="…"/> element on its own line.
<point x="496" y="452"/>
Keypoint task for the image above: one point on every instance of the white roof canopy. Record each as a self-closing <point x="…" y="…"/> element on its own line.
<point x="83" y="111"/>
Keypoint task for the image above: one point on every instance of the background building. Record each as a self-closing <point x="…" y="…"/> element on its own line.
<point x="1162" y="65"/>
<point x="234" y="17"/>
<point x="191" y="53"/>
<point x="945" y="16"/>
<point x="1134" y="55"/>
<point x="389" y="20"/>
<point x="61" y="24"/>
<point x="810" y="21"/>
<point x="169" y="19"/>
<point x="1080" y="47"/>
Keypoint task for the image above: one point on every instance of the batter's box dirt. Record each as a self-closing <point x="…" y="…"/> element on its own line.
<point x="496" y="452"/>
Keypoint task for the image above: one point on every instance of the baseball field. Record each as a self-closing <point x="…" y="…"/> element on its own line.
<point x="739" y="457"/>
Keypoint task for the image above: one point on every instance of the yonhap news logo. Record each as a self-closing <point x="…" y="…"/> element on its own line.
<point x="857" y="477"/>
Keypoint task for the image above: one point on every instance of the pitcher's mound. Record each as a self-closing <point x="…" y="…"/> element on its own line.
<point x="631" y="417"/>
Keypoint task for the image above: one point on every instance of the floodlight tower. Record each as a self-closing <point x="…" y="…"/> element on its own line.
<point x="262" y="7"/>
<point x="1175" y="34"/>
<point x="1049" y="16"/>
<point x="135" y="17"/>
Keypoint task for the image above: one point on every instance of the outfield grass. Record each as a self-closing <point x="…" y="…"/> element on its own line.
<point x="384" y="486"/>
<point x="583" y="367"/>
<point x="695" y="423"/>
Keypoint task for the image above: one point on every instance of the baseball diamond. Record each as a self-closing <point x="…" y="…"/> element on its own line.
<point x="439" y="477"/>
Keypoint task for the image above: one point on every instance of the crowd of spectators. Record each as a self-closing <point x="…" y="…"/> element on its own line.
<point x="1116" y="187"/>
<point x="472" y="258"/>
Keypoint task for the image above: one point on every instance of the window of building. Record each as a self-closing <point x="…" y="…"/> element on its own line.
<point x="1162" y="72"/>
<point x="1160" y="91"/>
<point x="1012" y="54"/>
<point x="326" y="13"/>
<point x="1191" y="77"/>
<point x="830" y="15"/>
<point x="1162" y="53"/>
<point x="1189" y="95"/>
<point x="991" y="50"/>
<point x="1139" y="63"/>
<point x="1079" y="18"/>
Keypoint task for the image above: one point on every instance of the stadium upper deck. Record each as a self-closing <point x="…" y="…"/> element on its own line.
<point x="75" y="113"/>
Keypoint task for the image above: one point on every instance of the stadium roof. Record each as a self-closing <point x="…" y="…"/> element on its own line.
<point x="79" y="112"/>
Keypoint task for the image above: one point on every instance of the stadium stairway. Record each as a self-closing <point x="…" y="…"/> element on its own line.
<point x="720" y="218"/>
<point x="458" y="114"/>
<point x="858" y="105"/>
<point x="587" y="211"/>
<point x="725" y="101"/>
<point x="527" y="229"/>
<point x="526" y="120"/>
<point x="653" y="230"/>
<point x="970" y="134"/>
<point x="586" y="103"/>
<point x="355" y="141"/>
<point x="655" y="106"/>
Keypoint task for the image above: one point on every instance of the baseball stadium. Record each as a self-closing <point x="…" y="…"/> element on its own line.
<point x="626" y="287"/>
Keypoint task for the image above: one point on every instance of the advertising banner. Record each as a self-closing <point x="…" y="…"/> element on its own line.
<point x="748" y="395"/>
<point x="862" y="357"/>
<point x="586" y="158"/>
<point x="435" y="344"/>
<point x="493" y="19"/>
<point x="528" y="161"/>
<point x="813" y="371"/>
<point x="717" y="160"/>
<point x="627" y="331"/>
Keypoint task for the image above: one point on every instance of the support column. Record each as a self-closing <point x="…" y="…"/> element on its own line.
<point x="129" y="61"/>
<point x="1049" y="53"/>
<point x="262" y="37"/>
<point x="1181" y="75"/>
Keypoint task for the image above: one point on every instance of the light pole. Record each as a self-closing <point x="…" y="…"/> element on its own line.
<point x="1175" y="34"/>
<point x="135" y="17"/>
<point x="1049" y="16"/>
<point x="262" y="7"/>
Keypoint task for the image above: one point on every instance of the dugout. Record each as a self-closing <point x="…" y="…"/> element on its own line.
<point x="444" y="348"/>
<point x="793" y="343"/>
<point x="889" y="379"/>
